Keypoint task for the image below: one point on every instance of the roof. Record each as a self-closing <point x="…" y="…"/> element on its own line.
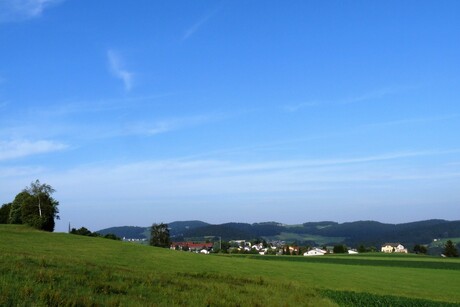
<point x="392" y="244"/>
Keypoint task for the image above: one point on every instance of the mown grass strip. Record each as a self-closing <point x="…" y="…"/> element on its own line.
<point x="360" y="299"/>
<point x="445" y="265"/>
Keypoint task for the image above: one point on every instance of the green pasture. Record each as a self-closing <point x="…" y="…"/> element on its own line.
<point x="47" y="269"/>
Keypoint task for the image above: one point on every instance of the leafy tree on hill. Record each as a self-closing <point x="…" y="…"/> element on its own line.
<point x="16" y="208"/>
<point x="5" y="213"/>
<point x="35" y="206"/>
<point x="160" y="235"/>
<point x="40" y="191"/>
<point x="450" y="250"/>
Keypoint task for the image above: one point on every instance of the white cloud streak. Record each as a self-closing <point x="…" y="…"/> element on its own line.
<point x="374" y="95"/>
<point x="168" y="125"/>
<point x="177" y="179"/>
<point x="19" y="10"/>
<point x="118" y="71"/>
<point x="411" y="121"/>
<point x="196" y="26"/>
<point x="21" y="148"/>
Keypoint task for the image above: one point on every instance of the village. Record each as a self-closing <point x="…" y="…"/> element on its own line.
<point x="275" y="248"/>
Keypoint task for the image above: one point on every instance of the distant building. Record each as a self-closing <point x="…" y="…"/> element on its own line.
<point x="393" y="248"/>
<point x="191" y="246"/>
<point x="315" y="252"/>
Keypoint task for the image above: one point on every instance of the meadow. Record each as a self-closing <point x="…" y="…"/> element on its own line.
<point x="57" y="269"/>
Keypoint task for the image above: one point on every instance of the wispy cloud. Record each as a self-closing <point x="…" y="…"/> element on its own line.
<point x="19" y="10"/>
<point x="63" y="108"/>
<point x="409" y="121"/>
<point x="118" y="70"/>
<point x="168" y="125"/>
<point x="299" y="164"/>
<point x="197" y="25"/>
<point x="233" y="185"/>
<point x="303" y="105"/>
<point x="22" y="148"/>
<point x="370" y="96"/>
<point x="198" y="179"/>
<point x="20" y="171"/>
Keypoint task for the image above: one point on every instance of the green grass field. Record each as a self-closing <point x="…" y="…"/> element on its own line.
<point x="47" y="269"/>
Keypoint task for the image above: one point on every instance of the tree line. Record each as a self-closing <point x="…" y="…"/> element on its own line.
<point x="83" y="231"/>
<point x="33" y="206"/>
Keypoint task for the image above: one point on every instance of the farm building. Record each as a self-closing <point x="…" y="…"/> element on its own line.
<point x="393" y="248"/>
<point x="315" y="252"/>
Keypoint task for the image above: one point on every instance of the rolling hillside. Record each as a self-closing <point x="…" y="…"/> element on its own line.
<point x="48" y="269"/>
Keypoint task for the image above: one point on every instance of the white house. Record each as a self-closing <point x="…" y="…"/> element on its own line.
<point x="352" y="251"/>
<point x="393" y="248"/>
<point x="315" y="252"/>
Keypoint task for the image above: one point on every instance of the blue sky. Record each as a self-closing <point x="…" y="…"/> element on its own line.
<point x="232" y="110"/>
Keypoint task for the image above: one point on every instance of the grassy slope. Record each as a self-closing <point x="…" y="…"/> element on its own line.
<point x="44" y="268"/>
<point x="38" y="268"/>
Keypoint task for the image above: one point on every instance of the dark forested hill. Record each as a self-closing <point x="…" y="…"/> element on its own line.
<point x="134" y="232"/>
<point x="354" y="233"/>
<point x="131" y="232"/>
<point x="177" y="229"/>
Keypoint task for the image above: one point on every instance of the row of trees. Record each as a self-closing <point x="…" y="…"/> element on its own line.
<point x="83" y="231"/>
<point x="33" y="206"/>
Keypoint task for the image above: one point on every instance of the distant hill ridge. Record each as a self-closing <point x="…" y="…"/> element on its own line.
<point x="351" y="233"/>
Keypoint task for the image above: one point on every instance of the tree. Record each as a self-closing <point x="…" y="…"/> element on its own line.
<point x="5" y="213"/>
<point x="39" y="191"/>
<point x="362" y="249"/>
<point x="224" y="246"/>
<point x="83" y="231"/>
<point x="35" y="206"/>
<point x="340" y="249"/>
<point x="450" y="250"/>
<point x="420" y="249"/>
<point x="112" y="236"/>
<point x="16" y="208"/>
<point x="159" y="235"/>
